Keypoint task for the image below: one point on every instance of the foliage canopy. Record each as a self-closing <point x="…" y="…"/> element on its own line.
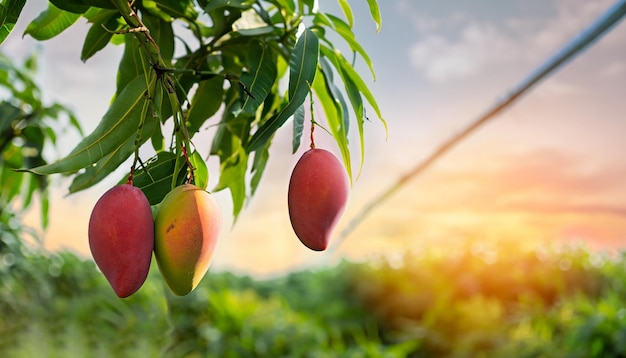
<point x="243" y="66"/>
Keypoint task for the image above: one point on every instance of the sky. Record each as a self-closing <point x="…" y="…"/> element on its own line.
<point x="550" y="168"/>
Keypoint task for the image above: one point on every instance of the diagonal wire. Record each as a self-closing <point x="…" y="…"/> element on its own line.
<point x="610" y="18"/>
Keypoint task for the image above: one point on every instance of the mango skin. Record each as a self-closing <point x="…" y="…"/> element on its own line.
<point x="121" y="238"/>
<point x="317" y="196"/>
<point x="187" y="227"/>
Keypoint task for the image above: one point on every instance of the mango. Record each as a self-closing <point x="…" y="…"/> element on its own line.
<point x="187" y="227"/>
<point x="317" y="197"/>
<point x="121" y="238"/>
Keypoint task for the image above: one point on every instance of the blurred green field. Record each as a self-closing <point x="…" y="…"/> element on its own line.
<point x="478" y="299"/>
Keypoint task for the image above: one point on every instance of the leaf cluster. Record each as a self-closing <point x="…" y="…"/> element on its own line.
<point x="28" y="127"/>
<point x="241" y="68"/>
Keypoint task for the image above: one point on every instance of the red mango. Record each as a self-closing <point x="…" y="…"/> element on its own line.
<point x="317" y="196"/>
<point x="121" y="238"/>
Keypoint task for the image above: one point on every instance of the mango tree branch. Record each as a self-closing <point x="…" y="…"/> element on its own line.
<point x="141" y="32"/>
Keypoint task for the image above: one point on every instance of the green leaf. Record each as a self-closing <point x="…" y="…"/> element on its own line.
<point x="232" y="176"/>
<point x="228" y="145"/>
<point x="118" y="124"/>
<point x="375" y="12"/>
<point x="162" y="33"/>
<point x="261" y="156"/>
<point x="105" y="166"/>
<point x="50" y="23"/>
<point x="11" y="181"/>
<point x="98" y="36"/>
<point x="359" y="110"/>
<point x="298" y="127"/>
<point x="10" y="11"/>
<point x="8" y="113"/>
<point x="200" y="170"/>
<point x="95" y="173"/>
<point x="105" y="4"/>
<point x="302" y="69"/>
<point x="288" y="5"/>
<point x="216" y="4"/>
<point x="205" y="103"/>
<point x="335" y="94"/>
<point x="173" y="8"/>
<point x="32" y="185"/>
<point x="345" y="31"/>
<point x="260" y="80"/>
<point x="157" y="139"/>
<point x="155" y="178"/>
<point x="332" y="110"/>
<point x="131" y="65"/>
<point x="347" y="11"/>
<point x="73" y="6"/>
<point x="346" y="68"/>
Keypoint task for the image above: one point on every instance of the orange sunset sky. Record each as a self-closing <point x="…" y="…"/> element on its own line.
<point x="550" y="168"/>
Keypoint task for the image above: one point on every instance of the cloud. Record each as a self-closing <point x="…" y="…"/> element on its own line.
<point x="614" y="69"/>
<point x="458" y="45"/>
<point x="540" y="182"/>
<point x="543" y="194"/>
<point x="478" y="45"/>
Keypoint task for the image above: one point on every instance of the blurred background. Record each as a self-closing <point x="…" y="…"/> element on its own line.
<point x="510" y="244"/>
<point x="549" y="168"/>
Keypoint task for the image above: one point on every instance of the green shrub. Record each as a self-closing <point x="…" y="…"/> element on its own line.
<point x="479" y="299"/>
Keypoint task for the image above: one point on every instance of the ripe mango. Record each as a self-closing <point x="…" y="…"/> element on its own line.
<point x="121" y="238"/>
<point x="317" y="196"/>
<point x="187" y="226"/>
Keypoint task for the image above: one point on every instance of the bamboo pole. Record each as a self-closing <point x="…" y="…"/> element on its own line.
<point x="610" y="18"/>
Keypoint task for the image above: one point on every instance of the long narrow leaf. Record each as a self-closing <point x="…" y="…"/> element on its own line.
<point x="375" y="12"/>
<point x="118" y="124"/>
<point x="177" y="9"/>
<point x="73" y="6"/>
<point x="347" y="11"/>
<point x="131" y="65"/>
<point x="359" y="110"/>
<point x="205" y="102"/>
<point x="335" y="94"/>
<point x="105" y="166"/>
<point x="302" y="69"/>
<point x="162" y="33"/>
<point x="228" y="145"/>
<point x="216" y="4"/>
<point x="50" y="23"/>
<point x="298" y="127"/>
<point x="342" y="64"/>
<point x="10" y="11"/>
<point x="333" y="117"/>
<point x="261" y="156"/>
<point x="346" y="33"/>
<point x="261" y="77"/>
<point x="97" y="36"/>
<point x="95" y="173"/>
<point x="200" y="170"/>
<point x="232" y="176"/>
